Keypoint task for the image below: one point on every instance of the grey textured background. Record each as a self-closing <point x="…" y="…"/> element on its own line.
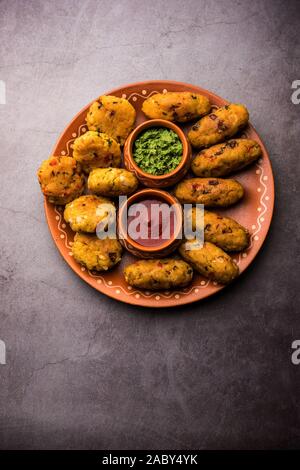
<point x="84" y="371"/>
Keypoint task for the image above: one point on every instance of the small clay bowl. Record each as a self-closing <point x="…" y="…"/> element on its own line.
<point x="166" y="246"/>
<point x="162" y="181"/>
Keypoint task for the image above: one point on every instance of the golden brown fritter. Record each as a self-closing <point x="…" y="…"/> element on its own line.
<point x="96" y="254"/>
<point x="212" y="192"/>
<point x="218" y="125"/>
<point x="210" y="261"/>
<point x="113" y="116"/>
<point x="176" y="106"/>
<point x="84" y="213"/>
<point x="158" y="274"/>
<point x="60" y="179"/>
<point x="112" y="182"/>
<point x="224" y="232"/>
<point x="96" y="150"/>
<point x="225" y="158"/>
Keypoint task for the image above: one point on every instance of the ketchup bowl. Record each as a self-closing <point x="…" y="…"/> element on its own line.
<point x="166" y="179"/>
<point x="150" y="223"/>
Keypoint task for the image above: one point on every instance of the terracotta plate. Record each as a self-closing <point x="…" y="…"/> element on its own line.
<point x="254" y="212"/>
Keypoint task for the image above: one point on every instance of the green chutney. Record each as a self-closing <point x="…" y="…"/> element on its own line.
<point x="157" y="151"/>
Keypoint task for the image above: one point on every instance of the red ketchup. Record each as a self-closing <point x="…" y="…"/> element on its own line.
<point x="153" y="225"/>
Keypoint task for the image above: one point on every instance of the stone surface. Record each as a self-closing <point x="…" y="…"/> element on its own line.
<point x="84" y="371"/>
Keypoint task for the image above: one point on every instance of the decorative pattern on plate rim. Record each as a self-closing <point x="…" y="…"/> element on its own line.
<point x="262" y="209"/>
